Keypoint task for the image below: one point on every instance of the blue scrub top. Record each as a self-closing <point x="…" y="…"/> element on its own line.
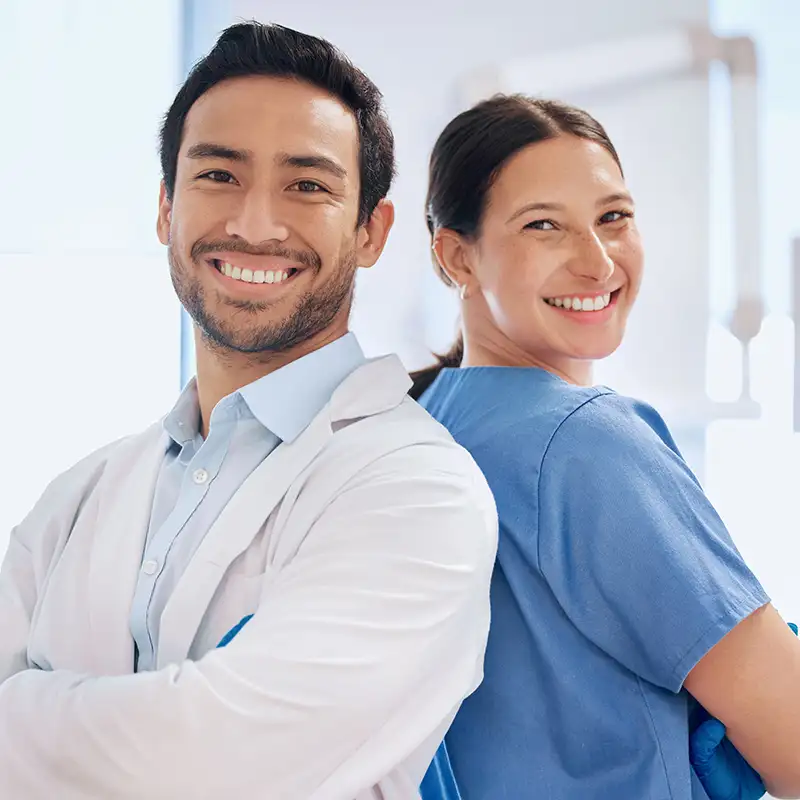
<point x="614" y="577"/>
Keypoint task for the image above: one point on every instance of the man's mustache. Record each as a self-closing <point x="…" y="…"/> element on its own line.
<point x="308" y="258"/>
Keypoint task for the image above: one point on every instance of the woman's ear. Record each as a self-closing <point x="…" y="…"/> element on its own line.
<point x="453" y="255"/>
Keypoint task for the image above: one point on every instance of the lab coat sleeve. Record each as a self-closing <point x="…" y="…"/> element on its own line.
<point x="32" y="547"/>
<point x="17" y="600"/>
<point x="361" y="649"/>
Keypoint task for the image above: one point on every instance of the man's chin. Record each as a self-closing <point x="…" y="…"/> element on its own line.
<point x="236" y="337"/>
<point x="242" y="344"/>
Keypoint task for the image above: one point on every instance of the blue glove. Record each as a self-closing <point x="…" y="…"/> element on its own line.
<point x="226" y="639"/>
<point x="721" y="768"/>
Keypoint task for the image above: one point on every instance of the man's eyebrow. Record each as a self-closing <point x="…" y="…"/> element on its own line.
<point x="323" y="163"/>
<point x="212" y="150"/>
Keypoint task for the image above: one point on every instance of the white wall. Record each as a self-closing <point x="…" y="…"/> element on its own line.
<point x="89" y="326"/>
<point x="754" y="467"/>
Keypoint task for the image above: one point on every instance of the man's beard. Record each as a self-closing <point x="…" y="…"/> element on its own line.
<point x="312" y="313"/>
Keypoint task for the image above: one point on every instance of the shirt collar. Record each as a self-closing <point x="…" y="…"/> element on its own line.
<point x="183" y="422"/>
<point x="285" y="401"/>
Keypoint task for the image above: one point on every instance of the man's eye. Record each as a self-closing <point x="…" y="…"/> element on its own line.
<point x="308" y="187"/>
<point x="217" y="176"/>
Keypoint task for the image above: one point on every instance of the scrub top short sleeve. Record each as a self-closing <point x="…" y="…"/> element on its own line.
<point x="632" y="549"/>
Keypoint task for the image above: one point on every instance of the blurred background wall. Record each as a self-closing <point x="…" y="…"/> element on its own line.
<point x="92" y="339"/>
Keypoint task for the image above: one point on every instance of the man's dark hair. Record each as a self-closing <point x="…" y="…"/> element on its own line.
<point x="253" y="48"/>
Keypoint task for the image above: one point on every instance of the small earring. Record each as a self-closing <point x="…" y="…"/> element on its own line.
<point x="462" y="291"/>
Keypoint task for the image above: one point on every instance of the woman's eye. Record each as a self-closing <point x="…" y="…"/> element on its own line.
<point x="541" y="225"/>
<point x="615" y="216"/>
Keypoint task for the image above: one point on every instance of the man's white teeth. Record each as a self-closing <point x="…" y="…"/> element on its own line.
<point x="253" y="276"/>
<point x="581" y="303"/>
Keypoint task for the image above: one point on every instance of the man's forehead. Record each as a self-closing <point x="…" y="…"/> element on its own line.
<point x="265" y="116"/>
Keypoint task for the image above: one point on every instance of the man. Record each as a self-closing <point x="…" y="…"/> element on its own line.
<point x="293" y="480"/>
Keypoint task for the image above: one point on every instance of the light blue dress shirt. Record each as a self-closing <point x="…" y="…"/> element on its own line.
<point x="198" y="477"/>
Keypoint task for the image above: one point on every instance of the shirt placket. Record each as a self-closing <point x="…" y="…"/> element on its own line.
<point x="203" y="466"/>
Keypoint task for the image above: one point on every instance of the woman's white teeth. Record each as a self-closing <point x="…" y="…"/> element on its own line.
<point x="253" y="276"/>
<point x="597" y="303"/>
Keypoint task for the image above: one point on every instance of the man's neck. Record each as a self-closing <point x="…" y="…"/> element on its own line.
<point x="220" y="373"/>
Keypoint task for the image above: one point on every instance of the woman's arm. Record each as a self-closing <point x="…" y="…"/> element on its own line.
<point x="749" y="681"/>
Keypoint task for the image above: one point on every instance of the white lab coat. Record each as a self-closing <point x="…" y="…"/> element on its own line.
<point x="366" y="545"/>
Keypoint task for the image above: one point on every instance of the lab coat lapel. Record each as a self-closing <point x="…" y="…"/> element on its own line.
<point x="231" y="534"/>
<point x="377" y="386"/>
<point x="123" y="516"/>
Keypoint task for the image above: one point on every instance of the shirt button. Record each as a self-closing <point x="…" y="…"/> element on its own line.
<point x="150" y="567"/>
<point x="200" y="476"/>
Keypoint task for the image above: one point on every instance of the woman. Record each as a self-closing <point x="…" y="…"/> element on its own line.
<point x="619" y="600"/>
